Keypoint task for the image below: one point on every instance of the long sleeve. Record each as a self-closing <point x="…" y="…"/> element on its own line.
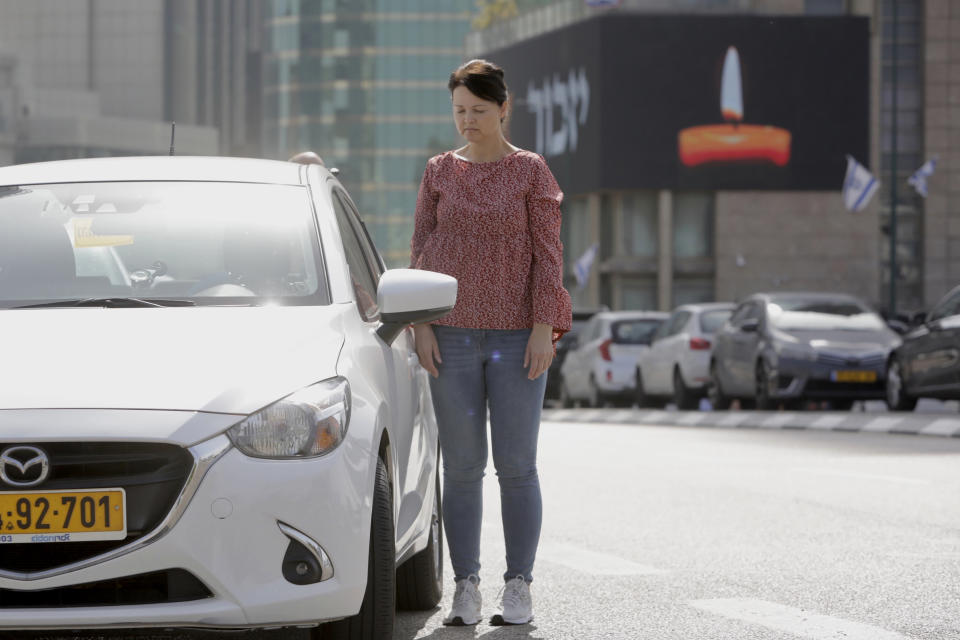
<point x="550" y="300"/>
<point x="425" y="217"/>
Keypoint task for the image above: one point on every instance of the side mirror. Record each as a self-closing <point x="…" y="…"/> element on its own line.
<point x="750" y="325"/>
<point x="918" y="319"/>
<point x="412" y="296"/>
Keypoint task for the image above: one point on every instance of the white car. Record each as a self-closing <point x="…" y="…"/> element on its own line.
<point x="600" y="365"/>
<point x="677" y="364"/>
<point x="240" y="436"/>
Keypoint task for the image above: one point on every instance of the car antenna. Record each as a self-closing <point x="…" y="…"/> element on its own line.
<point x="173" y="130"/>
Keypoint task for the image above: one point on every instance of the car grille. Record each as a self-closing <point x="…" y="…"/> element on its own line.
<point x="174" y="585"/>
<point x="153" y="475"/>
<point x="847" y="361"/>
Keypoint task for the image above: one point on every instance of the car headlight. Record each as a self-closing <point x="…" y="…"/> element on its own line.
<point x="311" y="422"/>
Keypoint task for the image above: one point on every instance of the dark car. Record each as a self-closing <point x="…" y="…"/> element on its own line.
<point x="927" y="364"/>
<point x="580" y="319"/>
<point x="793" y="347"/>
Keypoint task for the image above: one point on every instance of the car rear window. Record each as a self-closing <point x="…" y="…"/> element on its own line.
<point x="634" y="331"/>
<point x="210" y="243"/>
<point x="710" y="321"/>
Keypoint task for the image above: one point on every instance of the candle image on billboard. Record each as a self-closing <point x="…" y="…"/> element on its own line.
<point x="734" y="141"/>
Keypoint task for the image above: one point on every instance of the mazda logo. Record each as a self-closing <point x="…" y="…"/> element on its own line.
<point x="24" y="466"/>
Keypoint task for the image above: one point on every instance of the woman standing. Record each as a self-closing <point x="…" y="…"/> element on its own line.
<point x="489" y="215"/>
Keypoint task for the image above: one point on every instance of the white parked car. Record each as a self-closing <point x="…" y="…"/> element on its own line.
<point x="677" y="364"/>
<point x="600" y="366"/>
<point x="238" y="437"/>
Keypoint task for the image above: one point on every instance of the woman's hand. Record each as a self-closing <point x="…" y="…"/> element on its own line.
<point x="539" y="353"/>
<point x="428" y="351"/>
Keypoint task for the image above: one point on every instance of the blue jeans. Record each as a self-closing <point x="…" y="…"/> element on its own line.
<point x="483" y="368"/>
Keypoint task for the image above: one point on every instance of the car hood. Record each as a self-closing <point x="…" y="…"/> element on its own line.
<point x="231" y="360"/>
<point x="852" y="341"/>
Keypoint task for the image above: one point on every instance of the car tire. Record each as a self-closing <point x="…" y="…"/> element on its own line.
<point x="640" y="395"/>
<point x="378" y="610"/>
<point x="565" y="400"/>
<point x="895" y="396"/>
<point x="763" y="400"/>
<point x="718" y="399"/>
<point x="595" y="399"/>
<point x="683" y="396"/>
<point x="420" y="579"/>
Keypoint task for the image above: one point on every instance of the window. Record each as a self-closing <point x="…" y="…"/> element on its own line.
<point x="678" y="322"/>
<point x="640" y="224"/>
<point x="693" y="225"/>
<point x="362" y="272"/>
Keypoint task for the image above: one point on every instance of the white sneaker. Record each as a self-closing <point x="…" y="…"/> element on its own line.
<point x="516" y="603"/>
<point x="466" y="603"/>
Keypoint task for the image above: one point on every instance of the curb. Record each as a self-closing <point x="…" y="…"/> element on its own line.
<point x="921" y="425"/>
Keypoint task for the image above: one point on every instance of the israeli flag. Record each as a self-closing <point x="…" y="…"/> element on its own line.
<point x="859" y="186"/>
<point x="581" y="268"/>
<point x="919" y="178"/>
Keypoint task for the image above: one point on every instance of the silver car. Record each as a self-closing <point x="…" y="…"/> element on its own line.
<point x="791" y="347"/>
<point x="600" y="366"/>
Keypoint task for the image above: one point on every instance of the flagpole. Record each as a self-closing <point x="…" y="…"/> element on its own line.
<point x="893" y="169"/>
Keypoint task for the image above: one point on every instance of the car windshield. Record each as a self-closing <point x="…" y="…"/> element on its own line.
<point x="203" y="243"/>
<point x="819" y="314"/>
<point x="634" y="331"/>
<point x="710" y="321"/>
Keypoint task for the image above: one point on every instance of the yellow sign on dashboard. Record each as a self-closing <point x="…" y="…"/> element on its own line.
<point x="83" y="236"/>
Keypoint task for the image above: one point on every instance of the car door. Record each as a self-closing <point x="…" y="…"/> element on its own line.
<point x="652" y="359"/>
<point x="572" y="368"/>
<point x="744" y="340"/>
<point x="394" y="368"/>
<point x="931" y="353"/>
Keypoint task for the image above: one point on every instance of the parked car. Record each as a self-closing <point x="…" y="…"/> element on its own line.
<point x="580" y="319"/>
<point x="241" y="436"/>
<point x="927" y="363"/>
<point x="792" y="347"/>
<point x="677" y="364"/>
<point x="601" y="364"/>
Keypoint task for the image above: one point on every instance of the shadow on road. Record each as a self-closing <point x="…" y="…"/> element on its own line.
<point x="409" y="625"/>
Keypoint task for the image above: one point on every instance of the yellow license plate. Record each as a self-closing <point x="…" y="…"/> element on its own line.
<point x="63" y="516"/>
<point x="855" y="376"/>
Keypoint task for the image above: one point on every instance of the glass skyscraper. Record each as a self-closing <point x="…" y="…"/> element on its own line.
<point x="363" y="83"/>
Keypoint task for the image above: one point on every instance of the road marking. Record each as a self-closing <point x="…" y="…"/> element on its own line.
<point x="590" y="416"/>
<point x="800" y="622"/>
<point x="559" y="414"/>
<point x="777" y="421"/>
<point x="732" y="419"/>
<point x="623" y="415"/>
<point x="884" y="425"/>
<point x="861" y="476"/>
<point x="592" y="562"/>
<point x="691" y="417"/>
<point x="942" y="427"/>
<point x="654" y="416"/>
<point x="827" y="422"/>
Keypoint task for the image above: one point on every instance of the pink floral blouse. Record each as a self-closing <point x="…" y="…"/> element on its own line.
<point x="495" y="226"/>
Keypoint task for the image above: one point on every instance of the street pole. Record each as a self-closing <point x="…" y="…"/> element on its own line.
<point x="893" y="167"/>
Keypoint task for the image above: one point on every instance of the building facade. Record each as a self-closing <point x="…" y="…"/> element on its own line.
<point x="108" y="77"/>
<point x="364" y="84"/>
<point x="669" y="233"/>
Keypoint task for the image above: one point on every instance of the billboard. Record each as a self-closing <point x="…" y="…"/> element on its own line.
<point x="694" y="102"/>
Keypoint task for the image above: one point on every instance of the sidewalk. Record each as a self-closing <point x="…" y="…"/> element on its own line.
<point x="923" y="424"/>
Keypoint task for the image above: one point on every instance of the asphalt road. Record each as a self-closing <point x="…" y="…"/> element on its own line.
<point x="689" y="533"/>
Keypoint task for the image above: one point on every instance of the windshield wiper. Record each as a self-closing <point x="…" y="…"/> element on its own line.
<point x="112" y="303"/>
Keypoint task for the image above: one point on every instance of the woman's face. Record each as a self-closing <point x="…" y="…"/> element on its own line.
<point x="476" y="119"/>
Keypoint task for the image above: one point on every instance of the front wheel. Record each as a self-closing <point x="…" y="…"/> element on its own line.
<point x="377" y="612"/>
<point x="764" y="400"/>
<point x="718" y="399"/>
<point x="683" y="396"/>
<point x="896" y="396"/>
<point x="420" y="579"/>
